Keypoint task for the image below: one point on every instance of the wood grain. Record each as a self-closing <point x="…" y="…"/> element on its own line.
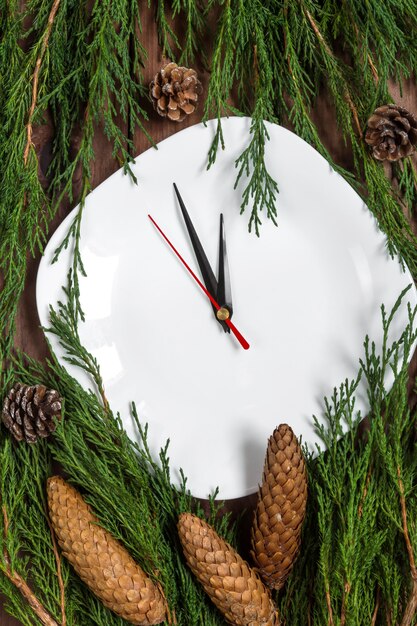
<point x="29" y="335"/>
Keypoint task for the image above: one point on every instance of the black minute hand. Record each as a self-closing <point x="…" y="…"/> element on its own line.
<point x="202" y="260"/>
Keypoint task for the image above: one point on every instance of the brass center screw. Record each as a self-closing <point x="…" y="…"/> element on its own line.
<point x="223" y="314"/>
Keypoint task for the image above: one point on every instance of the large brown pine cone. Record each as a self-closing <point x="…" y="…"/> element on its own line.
<point x="233" y="586"/>
<point x="31" y="412"/>
<point x="392" y="133"/>
<point x="175" y="91"/>
<point x="101" y="562"/>
<point x="280" y="509"/>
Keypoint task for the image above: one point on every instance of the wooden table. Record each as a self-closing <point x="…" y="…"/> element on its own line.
<point x="29" y="336"/>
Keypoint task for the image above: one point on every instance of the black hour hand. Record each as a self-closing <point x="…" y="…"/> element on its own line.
<point x="224" y="291"/>
<point x="203" y="263"/>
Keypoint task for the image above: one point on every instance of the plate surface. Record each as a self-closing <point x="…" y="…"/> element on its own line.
<point x="305" y="294"/>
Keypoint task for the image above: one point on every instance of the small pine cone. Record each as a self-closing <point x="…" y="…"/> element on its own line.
<point x="31" y="412"/>
<point x="175" y="91"/>
<point x="233" y="586"/>
<point x="100" y="561"/>
<point x="392" y="133"/>
<point x="280" y="509"/>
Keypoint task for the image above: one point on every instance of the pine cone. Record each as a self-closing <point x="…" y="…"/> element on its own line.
<point x="100" y="561"/>
<point x="233" y="586"/>
<point x="30" y="412"/>
<point x="280" y="509"/>
<point x="175" y="92"/>
<point x="392" y="133"/>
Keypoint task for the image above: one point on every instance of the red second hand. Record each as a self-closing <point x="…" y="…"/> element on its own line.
<point x="230" y="324"/>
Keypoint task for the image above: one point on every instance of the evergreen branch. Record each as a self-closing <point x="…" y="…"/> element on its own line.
<point x="411" y="608"/>
<point x="261" y="188"/>
<point x="194" y="25"/>
<point x="134" y="498"/>
<point x="166" y="35"/>
<point x="29" y="128"/>
<point x="222" y="74"/>
<point x="378" y="194"/>
<point x="346" y="590"/>
<point x="375" y="613"/>
<point x="230" y="49"/>
<point x="355" y="565"/>
<point x="365" y="491"/>
<point x="329" y="604"/>
<point x="367" y="54"/>
<point x="58" y="573"/>
<point x="300" y="89"/>
<point x="24" y="210"/>
<point x="64" y="324"/>
<point x="23" y="473"/>
<point x="20" y="583"/>
<point x="330" y="54"/>
<point x="405" y="176"/>
<point x="74" y="233"/>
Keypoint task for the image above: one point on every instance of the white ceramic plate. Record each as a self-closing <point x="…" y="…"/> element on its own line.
<point x="305" y="294"/>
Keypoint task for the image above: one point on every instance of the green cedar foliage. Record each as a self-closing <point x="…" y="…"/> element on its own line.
<point x="354" y="562"/>
<point x="88" y="62"/>
<point x="355" y="568"/>
<point x="130" y="492"/>
<point x="272" y="60"/>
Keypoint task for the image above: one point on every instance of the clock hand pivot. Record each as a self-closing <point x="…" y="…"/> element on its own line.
<point x="223" y="314"/>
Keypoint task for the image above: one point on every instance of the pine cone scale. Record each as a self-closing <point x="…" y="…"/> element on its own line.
<point x="391" y="133"/>
<point x="280" y="509"/>
<point x="31" y="412"/>
<point x="100" y="561"/>
<point x="232" y="585"/>
<point x="175" y="91"/>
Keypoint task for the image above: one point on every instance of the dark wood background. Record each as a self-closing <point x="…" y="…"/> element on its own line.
<point x="29" y="335"/>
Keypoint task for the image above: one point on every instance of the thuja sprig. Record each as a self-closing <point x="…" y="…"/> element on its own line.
<point x="34" y="583"/>
<point x="356" y="507"/>
<point x="222" y="76"/>
<point x="77" y="270"/>
<point x="24" y="208"/>
<point x="187" y="44"/>
<point x="405" y="175"/>
<point x="242" y="42"/>
<point x="304" y="41"/>
<point x="93" y="77"/>
<point x="108" y="88"/>
<point x="167" y="37"/>
<point x="112" y="62"/>
<point x="351" y="103"/>
<point x="111" y="57"/>
<point x="358" y="565"/>
<point x="64" y="324"/>
<point x="362" y="483"/>
<point x="134" y="498"/>
<point x="112" y="89"/>
<point x="261" y="190"/>
<point x="191" y="12"/>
